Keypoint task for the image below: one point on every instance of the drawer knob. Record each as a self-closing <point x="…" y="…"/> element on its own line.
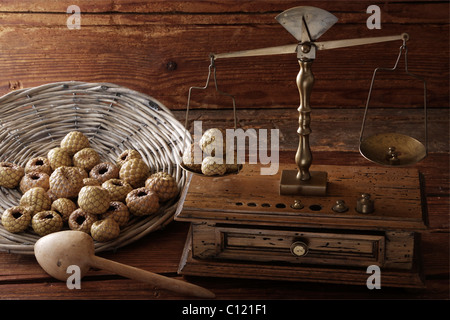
<point x="299" y="249"/>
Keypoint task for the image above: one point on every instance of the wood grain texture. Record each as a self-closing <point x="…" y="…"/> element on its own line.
<point x="131" y="44"/>
<point x="239" y="199"/>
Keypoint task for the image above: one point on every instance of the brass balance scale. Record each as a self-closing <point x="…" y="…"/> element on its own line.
<point x="327" y="224"/>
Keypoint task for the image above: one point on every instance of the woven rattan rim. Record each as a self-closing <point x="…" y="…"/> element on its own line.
<point x="114" y="118"/>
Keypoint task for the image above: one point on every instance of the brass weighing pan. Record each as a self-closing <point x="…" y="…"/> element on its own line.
<point x="394" y="149"/>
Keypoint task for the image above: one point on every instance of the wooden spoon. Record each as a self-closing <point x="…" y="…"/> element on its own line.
<point x="57" y="251"/>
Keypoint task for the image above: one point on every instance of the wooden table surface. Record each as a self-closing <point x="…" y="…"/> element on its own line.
<point x="22" y="278"/>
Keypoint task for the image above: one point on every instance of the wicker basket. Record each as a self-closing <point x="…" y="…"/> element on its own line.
<point x="114" y="118"/>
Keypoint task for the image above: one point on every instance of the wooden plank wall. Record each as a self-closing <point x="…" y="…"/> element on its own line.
<point x="162" y="48"/>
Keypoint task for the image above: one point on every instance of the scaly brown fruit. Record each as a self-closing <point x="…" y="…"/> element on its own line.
<point x="118" y="211"/>
<point x="105" y="230"/>
<point x="80" y="220"/>
<point x="10" y="174"/>
<point x="135" y="172"/>
<point x="64" y="207"/>
<point x="142" y="202"/>
<point x="104" y="171"/>
<point x="66" y="182"/>
<point x="127" y="155"/>
<point x="36" y="199"/>
<point x="38" y="164"/>
<point x="163" y="184"/>
<point x="93" y="199"/>
<point x="46" y="222"/>
<point x="211" y="166"/>
<point x="118" y="189"/>
<point x="59" y="157"/>
<point x="82" y="172"/>
<point x="213" y="141"/>
<point x="16" y="219"/>
<point x="34" y="179"/>
<point x="86" y="158"/>
<point x="74" y="141"/>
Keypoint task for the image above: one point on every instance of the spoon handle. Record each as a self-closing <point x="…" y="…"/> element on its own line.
<point x="151" y="278"/>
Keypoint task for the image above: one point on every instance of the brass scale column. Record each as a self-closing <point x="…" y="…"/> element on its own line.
<point x="303" y="157"/>
<point x="306" y="24"/>
<point x="303" y="181"/>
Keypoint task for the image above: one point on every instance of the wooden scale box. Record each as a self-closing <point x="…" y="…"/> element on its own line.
<point x="241" y="227"/>
<point x="325" y="225"/>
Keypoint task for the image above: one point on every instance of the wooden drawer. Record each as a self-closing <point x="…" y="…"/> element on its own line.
<point x="267" y="245"/>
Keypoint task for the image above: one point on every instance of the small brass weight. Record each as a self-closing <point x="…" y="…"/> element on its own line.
<point x="307" y="24"/>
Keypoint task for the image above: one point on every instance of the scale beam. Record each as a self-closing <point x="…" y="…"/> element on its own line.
<point x="324" y="45"/>
<point x="335" y="44"/>
<point x="286" y="49"/>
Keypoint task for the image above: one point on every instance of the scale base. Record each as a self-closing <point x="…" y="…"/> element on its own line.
<point x="316" y="186"/>
<point x="241" y="227"/>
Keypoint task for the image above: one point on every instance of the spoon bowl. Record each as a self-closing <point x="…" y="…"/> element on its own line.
<point x="57" y="251"/>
